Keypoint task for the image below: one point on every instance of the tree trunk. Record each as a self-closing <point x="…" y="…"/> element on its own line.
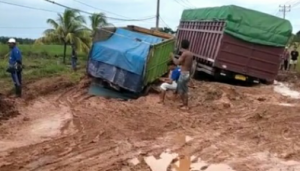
<point x="65" y="53"/>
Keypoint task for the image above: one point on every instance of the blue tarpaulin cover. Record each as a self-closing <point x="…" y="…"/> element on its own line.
<point x="122" y="50"/>
<point x="125" y="79"/>
<point x="121" y="59"/>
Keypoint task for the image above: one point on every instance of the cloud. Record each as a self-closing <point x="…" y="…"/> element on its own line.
<point x="21" y="22"/>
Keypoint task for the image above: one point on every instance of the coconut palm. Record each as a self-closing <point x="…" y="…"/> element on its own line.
<point x="98" y="20"/>
<point x="68" y="29"/>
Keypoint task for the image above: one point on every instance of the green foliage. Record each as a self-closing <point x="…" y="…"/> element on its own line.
<point x="69" y="28"/>
<point x="36" y="68"/>
<point x="294" y="40"/>
<point x="40" y="50"/>
<point x="3" y="40"/>
<point x="167" y="30"/>
<point x="98" y="20"/>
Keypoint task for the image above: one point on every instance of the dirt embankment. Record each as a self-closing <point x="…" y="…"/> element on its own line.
<point x="7" y="108"/>
<point x="8" y="105"/>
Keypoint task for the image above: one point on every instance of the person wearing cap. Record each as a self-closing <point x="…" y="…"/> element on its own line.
<point x="15" y="66"/>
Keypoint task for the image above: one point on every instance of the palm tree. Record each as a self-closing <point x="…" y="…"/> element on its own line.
<point x="98" y="20"/>
<point x="68" y="29"/>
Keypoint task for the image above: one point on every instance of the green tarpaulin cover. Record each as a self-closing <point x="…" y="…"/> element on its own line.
<point x="248" y="25"/>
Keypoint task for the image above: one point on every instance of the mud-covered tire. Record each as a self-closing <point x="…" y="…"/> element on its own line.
<point x="269" y="82"/>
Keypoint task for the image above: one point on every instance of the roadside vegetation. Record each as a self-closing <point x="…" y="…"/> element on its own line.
<point x="40" y="67"/>
<point x="50" y="55"/>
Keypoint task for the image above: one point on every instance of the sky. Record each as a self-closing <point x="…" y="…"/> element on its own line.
<point x="18" y="21"/>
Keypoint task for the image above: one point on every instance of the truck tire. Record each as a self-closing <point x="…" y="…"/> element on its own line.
<point x="268" y="82"/>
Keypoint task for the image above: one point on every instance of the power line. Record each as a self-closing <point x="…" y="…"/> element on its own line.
<point x="113" y="18"/>
<point x="296" y="4"/>
<point x="189" y="2"/>
<point x="23" y="27"/>
<point x="164" y="22"/>
<point x="37" y="27"/>
<point x="184" y="6"/>
<point x="40" y="9"/>
<point x="103" y="9"/>
<point x="284" y="9"/>
<point x="291" y="2"/>
<point x="186" y="2"/>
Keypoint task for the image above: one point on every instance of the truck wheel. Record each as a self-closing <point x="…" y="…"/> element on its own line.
<point x="269" y="82"/>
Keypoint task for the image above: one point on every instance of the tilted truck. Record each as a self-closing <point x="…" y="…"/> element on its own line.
<point x="129" y="58"/>
<point x="236" y="42"/>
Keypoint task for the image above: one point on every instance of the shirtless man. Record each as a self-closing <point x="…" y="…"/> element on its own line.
<point x="186" y="61"/>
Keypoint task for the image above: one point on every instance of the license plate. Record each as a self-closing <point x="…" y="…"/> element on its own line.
<point x="240" y="77"/>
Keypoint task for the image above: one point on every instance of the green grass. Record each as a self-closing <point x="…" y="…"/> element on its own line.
<point x="36" y="68"/>
<point x="39" y="50"/>
<point x="40" y="61"/>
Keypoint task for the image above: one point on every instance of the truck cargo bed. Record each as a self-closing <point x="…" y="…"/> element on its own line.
<point x="234" y="41"/>
<point x="129" y="57"/>
<point x="218" y="52"/>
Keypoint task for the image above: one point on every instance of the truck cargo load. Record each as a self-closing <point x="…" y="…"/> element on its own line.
<point x="129" y="57"/>
<point x="235" y="42"/>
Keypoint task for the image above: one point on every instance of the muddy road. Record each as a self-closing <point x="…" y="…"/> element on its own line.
<point x="227" y="128"/>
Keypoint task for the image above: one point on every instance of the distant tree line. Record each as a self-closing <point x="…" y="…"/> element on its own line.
<point x="167" y="30"/>
<point x="294" y="40"/>
<point x="4" y="40"/>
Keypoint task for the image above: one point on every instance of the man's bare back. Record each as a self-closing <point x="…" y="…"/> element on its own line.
<point x="187" y="61"/>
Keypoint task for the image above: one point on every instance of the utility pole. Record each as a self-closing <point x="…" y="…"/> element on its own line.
<point x="157" y="14"/>
<point x="284" y="9"/>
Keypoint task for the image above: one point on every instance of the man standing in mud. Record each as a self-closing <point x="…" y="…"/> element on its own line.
<point x="294" y="59"/>
<point x="15" y="66"/>
<point x="186" y="61"/>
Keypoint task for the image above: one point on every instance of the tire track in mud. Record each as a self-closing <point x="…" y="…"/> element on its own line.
<point x="81" y="149"/>
<point x="109" y="132"/>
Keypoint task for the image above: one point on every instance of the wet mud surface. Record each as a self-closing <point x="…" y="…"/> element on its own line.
<point x="229" y="127"/>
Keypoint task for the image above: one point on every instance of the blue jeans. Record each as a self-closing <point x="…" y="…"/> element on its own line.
<point x="17" y="78"/>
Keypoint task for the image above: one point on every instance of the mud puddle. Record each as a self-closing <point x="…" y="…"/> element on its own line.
<point x="285" y="90"/>
<point x="40" y="121"/>
<point x="181" y="161"/>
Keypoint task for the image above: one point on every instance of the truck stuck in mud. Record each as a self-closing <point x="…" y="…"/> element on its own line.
<point x="129" y="58"/>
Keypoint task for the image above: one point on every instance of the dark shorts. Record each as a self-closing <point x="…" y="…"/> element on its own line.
<point x="182" y="84"/>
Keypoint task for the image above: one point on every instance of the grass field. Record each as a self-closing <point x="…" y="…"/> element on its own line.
<point x="39" y="50"/>
<point x="37" y="68"/>
<point x="40" y="61"/>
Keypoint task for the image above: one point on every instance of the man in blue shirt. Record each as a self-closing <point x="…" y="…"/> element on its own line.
<point x="171" y="82"/>
<point x="15" y="66"/>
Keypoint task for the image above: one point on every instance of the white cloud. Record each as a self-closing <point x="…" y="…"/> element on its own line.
<point x="14" y="17"/>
